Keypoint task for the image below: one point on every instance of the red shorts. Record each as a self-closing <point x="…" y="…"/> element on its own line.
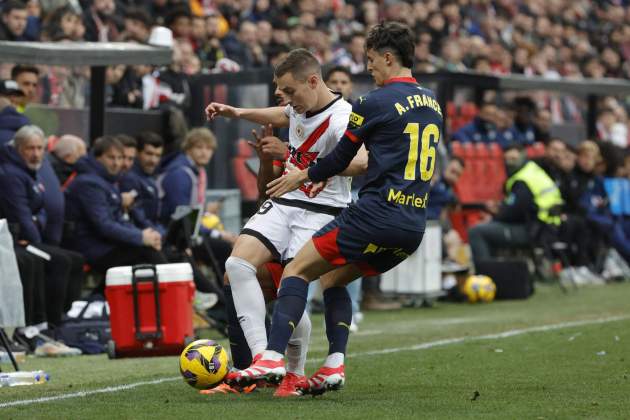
<point x="275" y="269"/>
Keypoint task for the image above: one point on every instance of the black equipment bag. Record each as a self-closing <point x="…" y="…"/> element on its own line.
<point x="511" y="277"/>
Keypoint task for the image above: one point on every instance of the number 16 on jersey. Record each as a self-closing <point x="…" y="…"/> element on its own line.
<point x="428" y="140"/>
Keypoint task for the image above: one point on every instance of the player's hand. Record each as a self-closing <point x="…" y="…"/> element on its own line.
<point x="216" y="109"/>
<point x="273" y="148"/>
<point x="265" y="130"/>
<point x="267" y="146"/>
<point x="287" y="183"/>
<point x="317" y="188"/>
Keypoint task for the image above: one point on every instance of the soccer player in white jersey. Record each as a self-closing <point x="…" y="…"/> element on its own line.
<point x="317" y="119"/>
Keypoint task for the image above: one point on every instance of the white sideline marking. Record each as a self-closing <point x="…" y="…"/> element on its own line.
<point x="505" y="334"/>
<point x="88" y="393"/>
<point x="422" y="346"/>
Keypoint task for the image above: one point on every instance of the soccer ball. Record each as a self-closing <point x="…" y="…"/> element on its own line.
<point x="479" y="288"/>
<point x="203" y="364"/>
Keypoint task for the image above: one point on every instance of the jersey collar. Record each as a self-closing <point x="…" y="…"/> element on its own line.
<point x="401" y="80"/>
<point x="310" y="114"/>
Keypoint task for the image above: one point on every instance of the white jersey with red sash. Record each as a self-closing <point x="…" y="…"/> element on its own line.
<point x="312" y="136"/>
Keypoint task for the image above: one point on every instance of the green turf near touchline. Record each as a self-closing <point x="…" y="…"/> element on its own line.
<point x="400" y="329"/>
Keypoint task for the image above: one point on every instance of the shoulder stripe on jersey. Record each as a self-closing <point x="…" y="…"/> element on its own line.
<point x="315" y="135"/>
<point x="352" y="137"/>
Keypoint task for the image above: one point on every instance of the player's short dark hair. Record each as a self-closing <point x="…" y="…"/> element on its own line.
<point x="10" y="5"/>
<point x="300" y="63"/>
<point x="103" y="144"/>
<point x="22" y="68"/>
<point x="127" y="141"/>
<point x="337" y="69"/>
<point x="149" y="138"/>
<point x="392" y="37"/>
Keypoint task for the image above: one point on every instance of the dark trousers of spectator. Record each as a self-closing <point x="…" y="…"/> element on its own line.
<point x="213" y="252"/>
<point x="64" y="279"/>
<point x="128" y="255"/>
<point x="486" y="238"/>
<point x="621" y="238"/>
<point x="32" y="277"/>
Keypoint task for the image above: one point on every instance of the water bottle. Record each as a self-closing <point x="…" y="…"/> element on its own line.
<point x="23" y="378"/>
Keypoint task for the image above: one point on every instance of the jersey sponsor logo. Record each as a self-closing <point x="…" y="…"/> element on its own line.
<point x="398" y="197"/>
<point x="356" y="119"/>
<point x="375" y="249"/>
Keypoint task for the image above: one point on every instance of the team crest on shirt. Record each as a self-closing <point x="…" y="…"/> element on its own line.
<point x="299" y="131"/>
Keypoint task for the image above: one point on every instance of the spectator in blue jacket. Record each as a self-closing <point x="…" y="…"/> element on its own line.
<point x="101" y="232"/>
<point x="65" y="153"/>
<point x="184" y="184"/>
<point x="140" y="181"/>
<point x="10" y="119"/>
<point x="523" y="131"/>
<point x="184" y="181"/>
<point x="482" y="129"/>
<point x="23" y="202"/>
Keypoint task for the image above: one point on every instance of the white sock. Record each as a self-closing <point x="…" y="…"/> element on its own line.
<point x="272" y="355"/>
<point x="298" y="346"/>
<point x="249" y="302"/>
<point x="334" y="360"/>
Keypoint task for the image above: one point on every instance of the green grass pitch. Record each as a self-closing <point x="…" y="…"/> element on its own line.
<point x="554" y="356"/>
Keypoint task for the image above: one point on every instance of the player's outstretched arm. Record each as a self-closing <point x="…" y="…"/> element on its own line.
<point x="358" y="165"/>
<point x="273" y="115"/>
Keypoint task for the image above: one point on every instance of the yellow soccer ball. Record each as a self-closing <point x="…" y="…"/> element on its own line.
<point x="479" y="288"/>
<point x="203" y="364"/>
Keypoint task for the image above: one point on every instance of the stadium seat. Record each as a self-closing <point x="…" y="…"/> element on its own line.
<point x="245" y="180"/>
<point x="465" y="185"/>
<point x="480" y="173"/>
<point x="496" y="168"/>
<point x="536" y="150"/>
<point x="468" y="111"/>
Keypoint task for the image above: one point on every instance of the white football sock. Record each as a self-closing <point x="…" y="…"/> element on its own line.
<point x="334" y="360"/>
<point x="249" y="302"/>
<point x="272" y="355"/>
<point x="298" y="346"/>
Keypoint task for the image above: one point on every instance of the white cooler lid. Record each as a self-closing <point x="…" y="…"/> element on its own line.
<point x="167" y="273"/>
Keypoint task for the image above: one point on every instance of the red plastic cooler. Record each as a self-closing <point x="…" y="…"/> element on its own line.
<point x="150" y="309"/>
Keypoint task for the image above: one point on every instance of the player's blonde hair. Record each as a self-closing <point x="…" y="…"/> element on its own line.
<point x="198" y="136"/>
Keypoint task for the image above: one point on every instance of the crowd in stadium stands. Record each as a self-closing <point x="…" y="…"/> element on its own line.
<point x="110" y="205"/>
<point x="552" y="39"/>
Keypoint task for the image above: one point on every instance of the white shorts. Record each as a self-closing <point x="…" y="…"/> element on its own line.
<point x="284" y="229"/>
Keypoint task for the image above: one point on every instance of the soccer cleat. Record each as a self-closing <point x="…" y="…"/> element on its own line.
<point x="325" y="379"/>
<point x="227" y="389"/>
<point x="287" y="387"/>
<point x="260" y="369"/>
